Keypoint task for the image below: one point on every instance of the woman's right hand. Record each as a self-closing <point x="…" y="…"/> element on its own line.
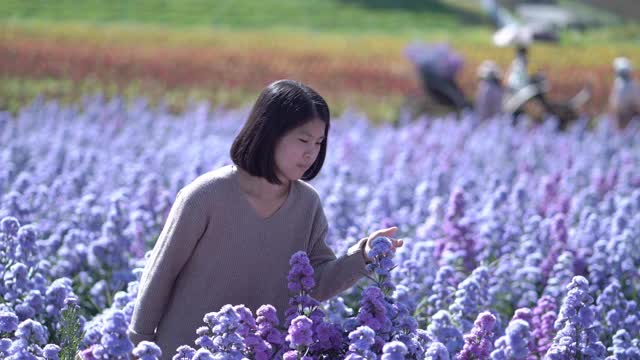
<point x="396" y="243"/>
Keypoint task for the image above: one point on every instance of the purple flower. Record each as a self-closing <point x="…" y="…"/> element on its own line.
<point x="71" y="300"/>
<point x="442" y="330"/>
<point x="290" y="355"/>
<point x="328" y="337"/>
<point x="267" y="314"/>
<point x="21" y="349"/>
<point x="361" y="341"/>
<point x="56" y="294"/>
<point x="414" y="343"/>
<point x="436" y="351"/>
<point x="337" y="311"/>
<point x="394" y="350"/>
<point x="9" y="226"/>
<point x="147" y="350"/>
<point x="301" y="284"/>
<point x="8" y="322"/>
<point x="247" y="322"/>
<point x="184" y="352"/>
<point x="5" y="344"/>
<point x="114" y="340"/>
<point x="544" y="317"/>
<point x="205" y="341"/>
<point x="301" y="273"/>
<point x="477" y="344"/>
<point x="443" y="290"/>
<point x="381" y="253"/>
<point x="51" y="352"/>
<point x="471" y="295"/>
<point x="457" y="247"/>
<point x="373" y="310"/>
<point x="623" y="347"/>
<point x="615" y="312"/>
<point x="515" y="344"/>
<point x="577" y="334"/>
<point x="561" y="275"/>
<point x="32" y="332"/>
<point x="300" y="332"/>
<point x="260" y="348"/>
<point x="526" y="315"/>
<point x="16" y="281"/>
<point x="267" y="322"/>
<point x="203" y="354"/>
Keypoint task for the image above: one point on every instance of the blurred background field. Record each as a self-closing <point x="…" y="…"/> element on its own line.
<point x="497" y="217"/>
<point x="226" y="51"/>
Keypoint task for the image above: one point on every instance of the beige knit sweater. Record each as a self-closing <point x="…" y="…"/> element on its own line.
<point x="214" y="250"/>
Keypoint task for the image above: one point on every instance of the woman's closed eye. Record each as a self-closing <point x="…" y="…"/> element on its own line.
<point x="306" y="141"/>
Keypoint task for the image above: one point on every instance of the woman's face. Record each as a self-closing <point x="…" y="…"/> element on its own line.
<point x="298" y="149"/>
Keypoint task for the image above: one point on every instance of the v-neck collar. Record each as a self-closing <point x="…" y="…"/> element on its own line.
<point x="254" y="213"/>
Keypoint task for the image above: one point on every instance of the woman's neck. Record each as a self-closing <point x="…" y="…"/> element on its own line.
<point x="260" y="188"/>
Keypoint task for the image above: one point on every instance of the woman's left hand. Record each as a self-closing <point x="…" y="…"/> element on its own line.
<point x="395" y="243"/>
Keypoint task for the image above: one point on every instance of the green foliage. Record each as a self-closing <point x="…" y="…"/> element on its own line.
<point x="327" y="15"/>
<point x="70" y="333"/>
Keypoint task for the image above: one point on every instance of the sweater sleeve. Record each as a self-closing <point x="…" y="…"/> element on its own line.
<point x="185" y="225"/>
<point x="333" y="275"/>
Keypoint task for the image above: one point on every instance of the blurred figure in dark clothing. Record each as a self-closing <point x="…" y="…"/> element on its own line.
<point x="438" y="66"/>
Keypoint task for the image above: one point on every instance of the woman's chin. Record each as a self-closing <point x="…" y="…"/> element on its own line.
<point x="291" y="177"/>
<point x="297" y="175"/>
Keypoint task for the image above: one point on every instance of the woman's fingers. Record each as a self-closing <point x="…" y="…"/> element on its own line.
<point x="396" y="243"/>
<point x="386" y="232"/>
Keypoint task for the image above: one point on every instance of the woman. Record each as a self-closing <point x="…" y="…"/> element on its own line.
<point x="230" y="233"/>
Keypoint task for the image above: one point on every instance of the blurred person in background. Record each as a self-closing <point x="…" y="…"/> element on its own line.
<point x="624" y="100"/>
<point x="438" y="66"/>
<point x="518" y="74"/>
<point x="488" y="100"/>
<point x="527" y="93"/>
<point x="521" y="88"/>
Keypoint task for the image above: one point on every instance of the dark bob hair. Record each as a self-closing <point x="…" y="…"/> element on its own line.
<point x="281" y="107"/>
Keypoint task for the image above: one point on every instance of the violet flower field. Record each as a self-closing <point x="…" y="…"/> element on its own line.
<point x="520" y="243"/>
